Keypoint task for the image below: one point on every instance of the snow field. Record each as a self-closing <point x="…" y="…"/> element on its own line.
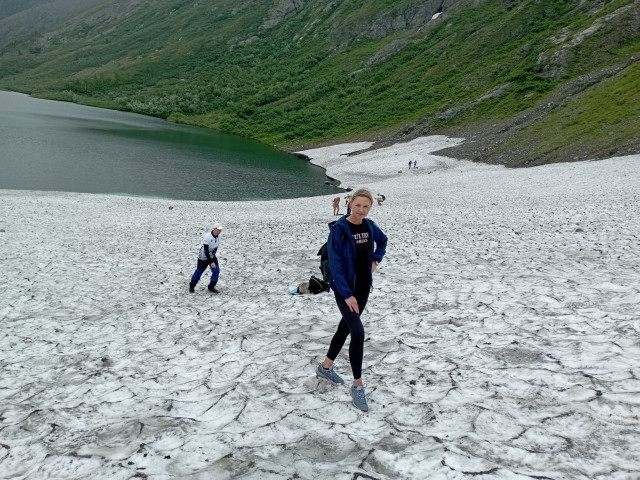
<point x="502" y="332"/>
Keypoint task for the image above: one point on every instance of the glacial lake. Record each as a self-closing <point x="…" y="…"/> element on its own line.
<point x="58" y="146"/>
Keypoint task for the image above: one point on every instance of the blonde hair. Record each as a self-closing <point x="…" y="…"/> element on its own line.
<point x="362" y="192"/>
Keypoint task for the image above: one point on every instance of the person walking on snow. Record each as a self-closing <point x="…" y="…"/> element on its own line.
<point x="336" y="206"/>
<point x="356" y="246"/>
<point x="409" y="164"/>
<point x="207" y="258"/>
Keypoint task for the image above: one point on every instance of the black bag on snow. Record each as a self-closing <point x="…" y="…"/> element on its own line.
<point x="317" y="286"/>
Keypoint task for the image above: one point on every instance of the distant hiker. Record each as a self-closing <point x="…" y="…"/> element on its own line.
<point x="207" y="258"/>
<point x="348" y="203"/>
<point x="336" y="206"/>
<point x="415" y="164"/>
<point x="346" y="199"/>
<point x="356" y="245"/>
<point x="380" y="199"/>
<point x="409" y="164"/>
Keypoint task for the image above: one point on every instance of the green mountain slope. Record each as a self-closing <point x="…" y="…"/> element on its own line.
<point x="294" y="73"/>
<point x="19" y="18"/>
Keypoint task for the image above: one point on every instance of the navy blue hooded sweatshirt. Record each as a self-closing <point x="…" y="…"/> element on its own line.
<point x="342" y="254"/>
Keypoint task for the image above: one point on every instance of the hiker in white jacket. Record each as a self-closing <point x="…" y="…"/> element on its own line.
<point x="207" y="258"/>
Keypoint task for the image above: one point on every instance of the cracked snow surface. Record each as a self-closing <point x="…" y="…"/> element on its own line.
<point x="502" y="332"/>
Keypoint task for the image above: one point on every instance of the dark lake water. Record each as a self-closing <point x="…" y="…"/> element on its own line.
<point x="48" y="145"/>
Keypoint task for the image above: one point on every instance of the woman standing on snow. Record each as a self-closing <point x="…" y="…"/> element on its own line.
<point x="352" y="259"/>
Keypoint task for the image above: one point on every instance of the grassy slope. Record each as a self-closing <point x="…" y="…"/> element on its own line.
<point x="310" y="78"/>
<point x="603" y="121"/>
<point x="27" y="17"/>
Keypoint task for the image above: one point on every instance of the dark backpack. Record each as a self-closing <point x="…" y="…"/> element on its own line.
<point x="317" y="286"/>
<point x="323" y="253"/>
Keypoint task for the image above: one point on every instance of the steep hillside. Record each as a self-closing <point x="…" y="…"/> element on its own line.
<point x="19" y="18"/>
<point x="513" y="74"/>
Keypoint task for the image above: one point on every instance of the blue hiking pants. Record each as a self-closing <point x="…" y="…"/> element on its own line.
<point x="202" y="266"/>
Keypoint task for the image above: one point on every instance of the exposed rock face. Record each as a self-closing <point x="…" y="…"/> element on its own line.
<point x="408" y="17"/>
<point x="282" y="10"/>
<point x="554" y="63"/>
<point x="392" y="48"/>
<point x="413" y="16"/>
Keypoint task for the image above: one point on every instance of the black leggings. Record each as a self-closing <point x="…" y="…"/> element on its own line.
<point x="350" y="324"/>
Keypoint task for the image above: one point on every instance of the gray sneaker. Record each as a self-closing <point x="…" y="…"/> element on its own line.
<point x="329" y="374"/>
<point x="359" y="399"/>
